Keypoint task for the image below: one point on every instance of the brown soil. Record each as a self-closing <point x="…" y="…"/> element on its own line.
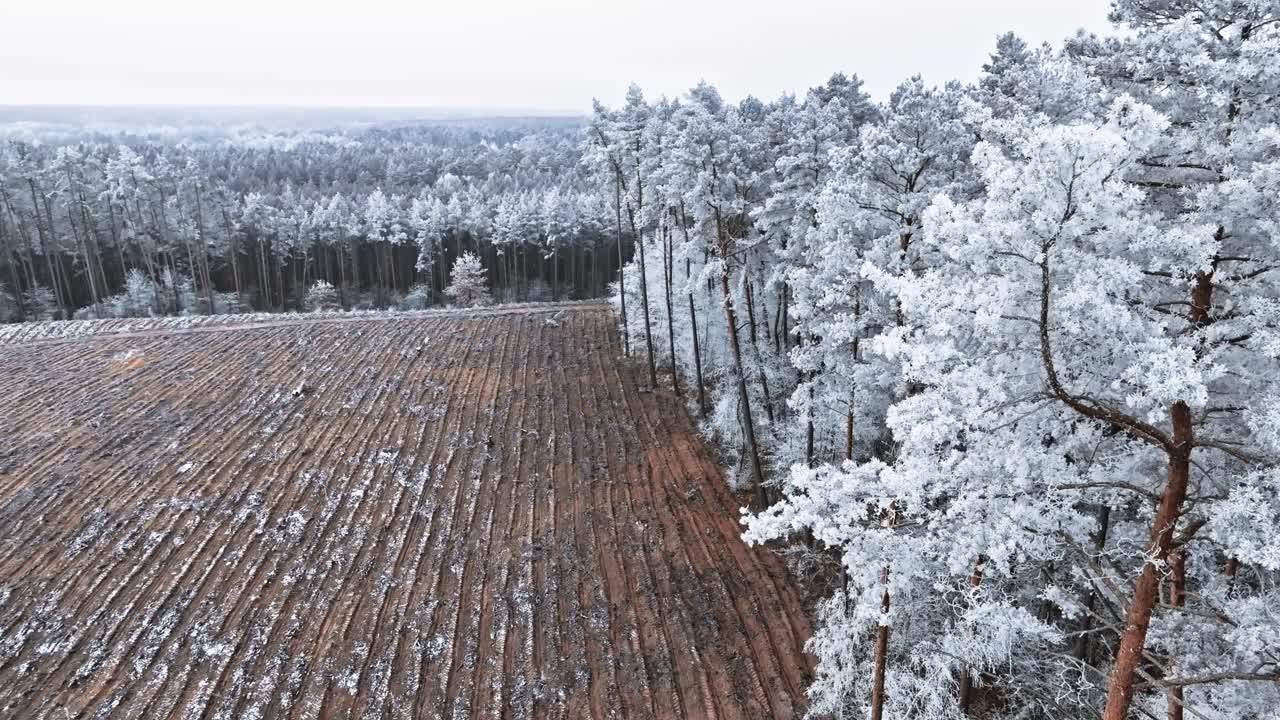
<point x="440" y="516"/>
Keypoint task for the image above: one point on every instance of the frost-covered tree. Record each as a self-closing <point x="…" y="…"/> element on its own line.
<point x="322" y="296"/>
<point x="1211" y="180"/>
<point x="468" y="286"/>
<point x="866" y="223"/>
<point x="139" y="298"/>
<point x="1081" y="432"/>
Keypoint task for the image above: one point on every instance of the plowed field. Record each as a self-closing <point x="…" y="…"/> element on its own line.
<point x="442" y="515"/>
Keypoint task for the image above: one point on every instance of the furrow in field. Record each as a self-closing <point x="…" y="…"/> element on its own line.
<point x="463" y="515"/>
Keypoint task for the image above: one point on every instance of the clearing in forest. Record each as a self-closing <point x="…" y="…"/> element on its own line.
<point x="438" y="515"/>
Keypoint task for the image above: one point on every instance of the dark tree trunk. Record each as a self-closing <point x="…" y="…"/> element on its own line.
<point x="671" y="331"/>
<point x="755" y="349"/>
<point x="693" y="318"/>
<point x="882" y="653"/>
<point x="644" y="296"/>
<point x="735" y="347"/>
<point x="622" y="281"/>
<point x="848" y="429"/>
<point x="1177" y="599"/>
<point x="1081" y="649"/>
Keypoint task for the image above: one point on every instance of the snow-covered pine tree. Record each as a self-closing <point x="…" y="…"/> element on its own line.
<point x="468" y="286"/>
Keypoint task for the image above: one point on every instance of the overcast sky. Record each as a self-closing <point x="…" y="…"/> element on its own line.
<point x="545" y="54"/>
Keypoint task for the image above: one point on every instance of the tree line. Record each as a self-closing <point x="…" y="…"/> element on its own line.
<point x="999" y="360"/>
<point x="202" y="224"/>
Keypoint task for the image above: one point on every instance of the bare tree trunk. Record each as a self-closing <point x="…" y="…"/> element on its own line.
<point x="622" y="280"/>
<point x="882" y="652"/>
<point x="65" y="281"/>
<point x="693" y="318"/>
<point x="853" y="387"/>
<point x="233" y="252"/>
<point x="667" y="271"/>
<point x="45" y="247"/>
<point x="90" y="247"/>
<point x="1168" y="513"/>
<point x="115" y="241"/>
<point x="786" y="330"/>
<point x="206" y="276"/>
<point x="91" y="237"/>
<point x="966" y="678"/>
<point x="88" y="265"/>
<point x="279" y="269"/>
<point x="1177" y="598"/>
<point x="1138" y="618"/>
<point x="391" y="260"/>
<point x="12" y="260"/>
<point x="644" y="297"/>
<point x="340" y="255"/>
<point x="555" y="275"/>
<point x="1081" y="649"/>
<point x="735" y="346"/>
<point x="196" y="278"/>
<point x="808" y="430"/>
<point x="27" y="254"/>
<point x="697" y="358"/>
<point x="25" y="236"/>
<point x="264" y="283"/>
<point x="755" y="349"/>
<point x="848" y="428"/>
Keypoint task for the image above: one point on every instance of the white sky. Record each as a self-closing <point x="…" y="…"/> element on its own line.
<point x="545" y="54"/>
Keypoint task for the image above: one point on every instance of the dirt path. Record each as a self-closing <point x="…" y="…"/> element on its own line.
<point x="463" y="516"/>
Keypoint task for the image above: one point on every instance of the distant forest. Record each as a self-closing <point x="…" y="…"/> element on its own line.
<point x="107" y="214"/>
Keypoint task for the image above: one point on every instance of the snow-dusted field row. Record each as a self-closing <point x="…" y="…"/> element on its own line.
<point x="71" y="329"/>
<point x="449" y="515"/>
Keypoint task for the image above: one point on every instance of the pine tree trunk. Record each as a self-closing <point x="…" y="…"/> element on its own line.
<point x="115" y="242"/>
<point x="697" y="358"/>
<point x="555" y="276"/>
<point x="848" y="429"/>
<point x="786" y="330"/>
<point x="622" y="280"/>
<point x="667" y="271"/>
<point x="206" y="276"/>
<point x="1177" y="598"/>
<point x="24" y="235"/>
<point x="644" y="297"/>
<point x="735" y="347"/>
<point x="1138" y="618"/>
<point x="61" y="266"/>
<point x="693" y="318"/>
<point x="1081" y="649"/>
<point x="1168" y="513"/>
<point x="586" y="283"/>
<point x="882" y="652"/>
<point x="46" y="249"/>
<point x="755" y="349"/>
<point x="279" y="268"/>
<point x="808" y="430"/>
<point x="265" y="276"/>
<point x="393" y="262"/>
<point x="88" y="265"/>
<point x="12" y="259"/>
<point x="966" y="678"/>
